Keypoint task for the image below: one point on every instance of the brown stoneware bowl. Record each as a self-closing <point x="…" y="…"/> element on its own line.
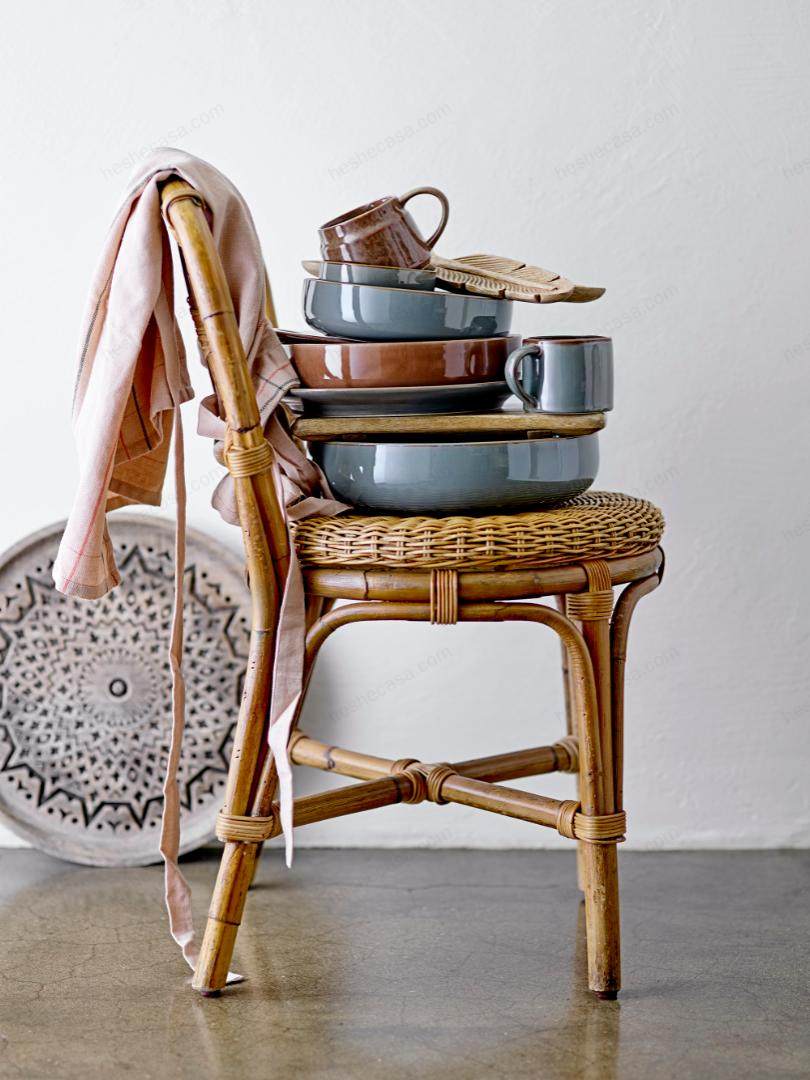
<point x="401" y="363"/>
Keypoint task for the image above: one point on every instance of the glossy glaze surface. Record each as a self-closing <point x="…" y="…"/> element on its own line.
<point x="400" y="400"/>
<point x="563" y="374"/>
<point x="401" y="363"/>
<point x="393" y="277"/>
<point x="458" y="477"/>
<point x="375" y="314"/>
<point x="381" y="233"/>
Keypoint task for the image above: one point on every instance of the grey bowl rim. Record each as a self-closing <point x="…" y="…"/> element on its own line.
<point x="481" y="442"/>
<point x="370" y="266"/>
<point x="433" y="293"/>
<point x="396" y="344"/>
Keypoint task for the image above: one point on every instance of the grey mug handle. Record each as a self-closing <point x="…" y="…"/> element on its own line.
<point x="512" y="369"/>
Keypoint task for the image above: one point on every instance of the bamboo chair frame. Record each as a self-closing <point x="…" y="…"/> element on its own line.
<point x="592" y="631"/>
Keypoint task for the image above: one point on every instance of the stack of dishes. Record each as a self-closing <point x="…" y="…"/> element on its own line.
<point x="392" y="343"/>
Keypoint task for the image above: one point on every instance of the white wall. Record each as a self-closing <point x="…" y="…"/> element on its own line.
<point x="662" y="150"/>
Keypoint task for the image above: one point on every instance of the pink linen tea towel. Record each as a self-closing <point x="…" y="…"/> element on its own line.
<point x="132" y="378"/>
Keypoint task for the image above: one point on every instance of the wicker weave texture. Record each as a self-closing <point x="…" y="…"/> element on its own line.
<point x="597" y="525"/>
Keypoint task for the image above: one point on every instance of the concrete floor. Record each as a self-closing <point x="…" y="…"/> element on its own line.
<point x="412" y="964"/>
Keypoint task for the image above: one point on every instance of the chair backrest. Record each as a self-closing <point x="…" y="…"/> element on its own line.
<point x="247" y="455"/>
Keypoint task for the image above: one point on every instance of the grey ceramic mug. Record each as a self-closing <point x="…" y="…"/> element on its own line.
<point x="562" y="374"/>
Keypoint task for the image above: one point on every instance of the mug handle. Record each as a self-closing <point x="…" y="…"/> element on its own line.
<point x="440" y="195"/>
<point x="511" y="373"/>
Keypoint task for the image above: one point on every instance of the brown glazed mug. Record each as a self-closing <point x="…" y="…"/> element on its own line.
<point x="382" y="233"/>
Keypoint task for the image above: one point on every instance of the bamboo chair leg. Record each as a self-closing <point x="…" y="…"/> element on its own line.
<point x="571" y="729"/>
<point x="570" y="723"/>
<point x="267" y="554"/>
<point x="238" y="868"/>
<point x="238" y="859"/>
<point x="600" y="865"/>
<point x="607" y="644"/>
<point x="599" y="860"/>
<point x="619" y="629"/>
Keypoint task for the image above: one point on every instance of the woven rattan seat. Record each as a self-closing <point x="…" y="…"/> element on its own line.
<point x="597" y="525"/>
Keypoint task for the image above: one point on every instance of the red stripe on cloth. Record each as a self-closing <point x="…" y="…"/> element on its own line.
<point x="124" y="445"/>
<point x="102" y="495"/>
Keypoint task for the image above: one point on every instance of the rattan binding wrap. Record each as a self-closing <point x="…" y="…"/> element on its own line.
<point x="597" y="525"/>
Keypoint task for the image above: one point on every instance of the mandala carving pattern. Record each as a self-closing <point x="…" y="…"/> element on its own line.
<point x="85" y="694"/>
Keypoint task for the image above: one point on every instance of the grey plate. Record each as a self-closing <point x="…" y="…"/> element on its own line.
<point x="399" y="400"/>
<point x="454" y="477"/>
<point x="86" y="694"/>
<point x="395" y="277"/>
<point x="374" y="314"/>
<point x="297" y="337"/>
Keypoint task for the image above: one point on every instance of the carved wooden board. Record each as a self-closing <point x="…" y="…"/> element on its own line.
<point x="85" y="694"/>
<point x="494" y="275"/>
<point x="510" y="423"/>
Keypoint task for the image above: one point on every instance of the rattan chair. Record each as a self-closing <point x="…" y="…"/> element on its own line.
<point x="440" y="570"/>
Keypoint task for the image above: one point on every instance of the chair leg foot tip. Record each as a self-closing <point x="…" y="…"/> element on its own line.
<point x="607" y="995"/>
<point x="210" y="993"/>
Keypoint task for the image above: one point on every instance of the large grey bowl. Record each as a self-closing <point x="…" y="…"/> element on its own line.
<point x="370" y="313"/>
<point x="451" y="477"/>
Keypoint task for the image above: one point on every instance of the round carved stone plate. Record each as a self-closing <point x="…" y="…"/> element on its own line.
<point x="85" y="694"/>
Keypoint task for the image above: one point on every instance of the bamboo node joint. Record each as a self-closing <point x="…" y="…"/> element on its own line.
<point x="589" y="606"/>
<point x="240" y="828"/>
<point x="444" y="597"/>
<point x="435" y="775"/>
<point x="250" y="460"/>
<point x="597" y="602"/>
<point x="408" y="768"/>
<point x="593" y="828"/>
<point x="566" y="753"/>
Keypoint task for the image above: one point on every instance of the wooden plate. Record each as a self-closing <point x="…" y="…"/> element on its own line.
<point x="497" y="276"/>
<point x="85" y="709"/>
